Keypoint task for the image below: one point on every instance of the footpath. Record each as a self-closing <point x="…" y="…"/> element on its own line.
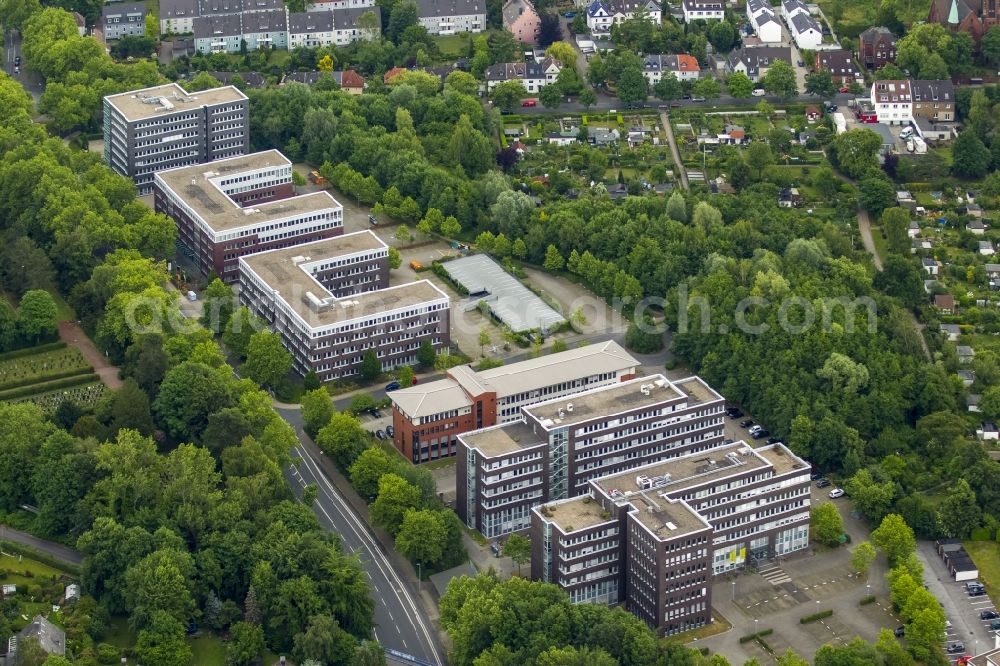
<point x="71" y="333"/>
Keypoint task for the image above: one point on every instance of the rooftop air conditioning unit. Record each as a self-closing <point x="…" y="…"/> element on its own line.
<point x="569" y="407"/>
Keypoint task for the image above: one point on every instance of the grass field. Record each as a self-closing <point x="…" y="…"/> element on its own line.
<point x="986" y="555"/>
<point x="17" y="577"/>
<point x="457" y="45"/>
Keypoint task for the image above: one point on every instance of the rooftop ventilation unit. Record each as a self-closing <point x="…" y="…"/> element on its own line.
<point x="569" y="407"/>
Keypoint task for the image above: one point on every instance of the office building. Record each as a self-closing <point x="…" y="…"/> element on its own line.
<point x="159" y="128"/>
<point x="241" y="205"/>
<point x="558" y="446"/>
<point x="331" y="302"/>
<point x="428" y="418"/>
<point x="653" y="537"/>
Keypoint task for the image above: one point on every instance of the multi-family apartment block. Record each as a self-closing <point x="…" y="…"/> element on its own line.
<point x="683" y="66"/>
<point x="876" y="47"/>
<point x="331" y="302"/>
<point x="653" y="537"/>
<point x="534" y="76"/>
<point x="704" y="10"/>
<point x="428" y="418"/>
<point x="335" y="27"/>
<point x="177" y="16"/>
<point x="158" y="128"/>
<point x="558" y="446"/>
<point x="448" y="17"/>
<point x="754" y="62"/>
<point x="521" y="20"/>
<point x="904" y="101"/>
<point x="241" y="205"/>
<point x="602" y="14"/>
<point x="123" y="19"/>
<point x="840" y="64"/>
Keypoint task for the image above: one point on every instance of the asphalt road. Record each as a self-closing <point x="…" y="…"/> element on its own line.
<point x="31" y="81"/>
<point x="610" y="104"/>
<point x="400" y="622"/>
<point x="56" y="550"/>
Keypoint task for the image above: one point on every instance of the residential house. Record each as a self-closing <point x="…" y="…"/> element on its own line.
<point x="893" y="101"/>
<point x="534" y="76"/>
<point x="933" y="100"/>
<point x="812" y="114"/>
<point x="218" y="34"/>
<point x="754" y="62"/>
<point x="988" y="431"/>
<point x="840" y="63"/>
<point x="975" y="210"/>
<point x="930" y="265"/>
<point x="684" y="67"/>
<point x="876" y="47"/>
<point x="177" y="16"/>
<point x="972" y="401"/>
<point x="81" y="23"/>
<point x="706" y="10"/>
<point x="324" y="5"/>
<point x="976" y="227"/>
<point x="337" y="27"/>
<point x="521" y="20"/>
<point x="993" y="274"/>
<point x="968" y="377"/>
<point x="914" y="229"/>
<point x="602" y="136"/>
<point x="951" y="332"/>
<point x="986" y="248"/>
<point x="789" y="198"/>
<point x="904" y="198"/>
<point x="944" y="303"/>
<point x="71" y="592"/>
<point x="241" y="80"/>
<point x="268" y="29"/>
<point x="806" y="31"/>
<point x="123" y="19"/>
<point x="790" y="8"/>
<point x="50" y="638"/>
<point x="921" y="244"/>
<point x="765" y="23"/>
<point x="448" y="17"/>
<point x="9" y="589"/>
<point x="561" y="138"/>
<point x="602" y="14"/>
<point x="966" y="354"/>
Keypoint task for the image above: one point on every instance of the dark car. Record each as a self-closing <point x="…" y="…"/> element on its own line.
<point x="746" y="424"/>
<point x="988" y="615"/>
<point x="774" y="440"/>
<point x="955" y="647"/>
<point x="734" y="412"/>
<point x="995" y="624"/>
<point x="977" y="592"/>
<point x="389" y="430"/>
<point x="392" y="386"/>
<point x="823" y="483"/>
<point x="899" y="632"/>
<point x="375" y="413"/>
<point x="380" y="434"/>
<point x="17" y="60"/>
<point x="759" y="434"/>
<point x="570" y="15"/>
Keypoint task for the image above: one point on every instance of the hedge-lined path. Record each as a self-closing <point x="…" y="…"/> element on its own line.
<point x="71" y="333"/>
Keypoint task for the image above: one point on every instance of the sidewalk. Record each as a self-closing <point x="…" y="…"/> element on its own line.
<point x="73" y="335"/>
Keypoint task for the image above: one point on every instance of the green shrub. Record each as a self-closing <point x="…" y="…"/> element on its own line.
<point x="45" y="378"/>
<point x="870" y="599"/>
<point x="815" y="617"/>
<point x="45" y="387"/>
<point x="981" y="534"/>
<point x="31" y="351"/>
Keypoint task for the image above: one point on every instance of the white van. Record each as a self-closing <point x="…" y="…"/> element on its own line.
<point x="906" y="132"/>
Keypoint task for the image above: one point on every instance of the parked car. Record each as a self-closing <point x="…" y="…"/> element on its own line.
<point x="972" y="584"/>
<point x="734" y="412"/>
<point x="836" y="492"/>
<point x="530" y="102"/>
<point x="801" y="63"/>
<point x="392" y="386"/>
<point x="570" y="15"/>
<point x="899" y="632"/>
<point x="697" y="99"/>
<point x="823" y="483"/>
<point x="389" y="430"/>
<point x="380" y="434"/>
<point x="774" y="440"/>
<point x="746" y="424"/>
<point x="988" y="615"/>
<point x="17" y="60"/>
<point x="845" y="89"/>
<point x="977" y="592"/>
<point x="995" y="624"/>
<point x="759" y="92"/>
<point x="375" y="413"/>
<point x="758" y="434"/>
<point x="955" y="647"/>
<point x="755" y="428"/>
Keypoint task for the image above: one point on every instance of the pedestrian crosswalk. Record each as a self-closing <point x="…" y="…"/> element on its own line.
<point x="774" y="574"/>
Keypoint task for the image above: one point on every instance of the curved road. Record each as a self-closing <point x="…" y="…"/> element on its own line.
<point x="400" y="621"/>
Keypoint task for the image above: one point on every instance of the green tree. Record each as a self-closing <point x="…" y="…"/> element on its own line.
<point x="989" y="46"/>
<point x="426" y="354"/>
<point x="507" y="94"/>
<point x="37" y="314"/>
<point x="325" y="642"/>
<point x="519" y="249"/>
<point x="403" y="15"/>
<point x="550" y="96"/>
<point x="395" y="496"/>
<point x="758" y="157"/>
<point x="780" y="80"/>
<point x="896" y="224"/>
<point x="970" y="157"/>
<point x="820" y="83"/>
<point x="739" y="85"/>
<point x="267" y="359"/>
<point x="877" y="194"/>
<point x="827" y="524"/>
<point x="894" y="538"/>
<point x="871" y="498"/>
<point x="394" y="258"/>
<point x="707" y="87"/>
<point x="404" y="376"/>
<point x="518" y="548"/>
<point x="368" y="468"/>
<point x="369" y="653"/>
<point x="317" y="410"/>
<point x="485" y="340"/>
<point x="959" y="514"/>
<point x="855" y="151"/>
<point x="422" y="536"/>
<point x="722" y="36"/>
<point x="371" y="367"/>
<point x="553" y="260"/>
<point x="246" y="643"/>
<point x="451" y="227"/>
<point x="218" y="302"/>
<point x="343" y="439"/>
<point x="162" y="642"/>
<point x="188" y="394"/>
<point x="160" y="582"/>
<point x="587" y="98"/>
<point x="668" y="88"/>
<point x="862" y="557"/>
<point x="238" y="331"/>
<point x="677" y="207"/>
<point x="632" y="85"/>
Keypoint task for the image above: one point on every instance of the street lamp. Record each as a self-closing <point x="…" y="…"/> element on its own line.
<point x="734" y="591"/>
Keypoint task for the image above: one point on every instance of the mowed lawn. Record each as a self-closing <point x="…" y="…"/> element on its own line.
<point x="17" y="569"/>
<point x="986" y="555"/>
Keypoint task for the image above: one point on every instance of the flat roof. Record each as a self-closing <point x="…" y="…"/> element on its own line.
<point x="311" y="255"/>
<point x="576" y="513"/>
<point x="149" y="102"/>
<point x="697" y="390"/>
<point x="781" y="458"/>
<point x="499" y="440"/>
<point x="689" y="470"/>
<point x="510" y="301"/>
<point x="604" y="401"/>
<point x="666" y="518"/>
<point x="293" y="284"/>
<point x="193" y="184"/>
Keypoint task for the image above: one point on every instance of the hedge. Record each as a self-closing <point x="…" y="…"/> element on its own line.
<point x="29" y="381"/>
<point x="870" y="599"/>
<point x="753" y="637"/>
<point x="816" y="616"/>
<point x="31" y="351"/>
<point x="39" y="556"/>
<point x="981" y="534"/>
<point x="45" y="387"/>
